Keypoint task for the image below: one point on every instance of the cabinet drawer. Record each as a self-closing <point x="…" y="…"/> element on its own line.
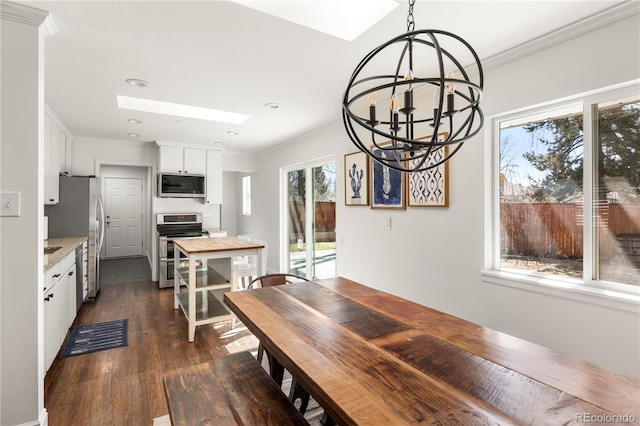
<point x="51" y="276"/>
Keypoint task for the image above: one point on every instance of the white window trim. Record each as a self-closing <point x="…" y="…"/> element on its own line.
<point x="246" y="196"/>
<point x="612" y="295"/>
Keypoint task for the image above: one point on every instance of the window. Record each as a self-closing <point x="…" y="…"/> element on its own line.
<point x="246" y="195"/>
<point x="566" y="193"/>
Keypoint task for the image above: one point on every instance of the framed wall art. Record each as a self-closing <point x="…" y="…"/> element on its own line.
<point x="356" y="179"/>
<point x="430" y="188"/>
<point x="387" y="185"/>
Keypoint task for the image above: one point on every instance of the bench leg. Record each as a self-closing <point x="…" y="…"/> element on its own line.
<point x="326" y="420"/>
<point x="276" y="370"/>
<point x="260" y="352"/>
<point x="297" y="392"/>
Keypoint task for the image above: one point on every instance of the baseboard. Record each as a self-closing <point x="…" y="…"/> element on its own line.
<point x="43" y="420"/>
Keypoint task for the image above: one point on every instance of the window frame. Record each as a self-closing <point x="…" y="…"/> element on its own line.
<point x="617" y="295"/>
<point x="246" y="195"/>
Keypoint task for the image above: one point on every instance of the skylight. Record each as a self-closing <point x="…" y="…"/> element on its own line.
<point x="168" y="108"/>
<point x="346" y="19"/>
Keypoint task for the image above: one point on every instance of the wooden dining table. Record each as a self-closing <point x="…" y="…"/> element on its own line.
<point x="372" y="358"/>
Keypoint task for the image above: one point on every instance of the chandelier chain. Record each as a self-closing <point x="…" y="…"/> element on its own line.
<point x="411" y="23"/>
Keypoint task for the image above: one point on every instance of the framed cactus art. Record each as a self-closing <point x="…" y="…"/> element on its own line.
<point x="356" y="179"/>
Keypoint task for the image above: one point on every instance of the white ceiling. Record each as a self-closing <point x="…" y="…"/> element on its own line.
<point x="225" y="56"/>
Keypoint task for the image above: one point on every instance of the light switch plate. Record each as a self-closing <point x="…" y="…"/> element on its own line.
<point x="9" y="204"/>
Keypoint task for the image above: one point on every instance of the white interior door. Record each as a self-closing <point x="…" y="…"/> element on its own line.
<point x="123" y="217"/>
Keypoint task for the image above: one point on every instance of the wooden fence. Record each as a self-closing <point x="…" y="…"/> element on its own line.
<point x="556" y="230"/>
<point x="325" y="221"/>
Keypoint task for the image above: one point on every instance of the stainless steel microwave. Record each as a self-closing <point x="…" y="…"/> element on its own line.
<point x="179" y="185"/>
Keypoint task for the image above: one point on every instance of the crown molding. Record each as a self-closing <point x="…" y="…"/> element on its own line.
<point x="591" y="23"/>
<point x="23" y="14"/>
<point x="30" y="16"/>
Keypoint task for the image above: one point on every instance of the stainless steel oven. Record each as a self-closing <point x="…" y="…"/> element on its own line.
<point x="170" y="227"/>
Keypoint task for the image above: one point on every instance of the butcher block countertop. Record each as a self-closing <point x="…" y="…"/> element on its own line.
<point x="206" y="245"/>
<point x="67" y="245"/>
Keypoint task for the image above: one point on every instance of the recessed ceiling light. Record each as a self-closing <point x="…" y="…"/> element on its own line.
<point x="134" y="121"/>
<point x="134" y="135"/>
<point x="218" y="143"/>
<point x="136" y="83"/>
<point x="168" y="108"/>
<point x="272" y="105"/>
<point x="232" y="133"/>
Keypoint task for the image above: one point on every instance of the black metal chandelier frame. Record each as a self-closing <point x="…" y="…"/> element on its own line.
<point x="408" y="152"/>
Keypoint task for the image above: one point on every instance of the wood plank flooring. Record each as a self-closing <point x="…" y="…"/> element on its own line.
<point x="123" y="386"/>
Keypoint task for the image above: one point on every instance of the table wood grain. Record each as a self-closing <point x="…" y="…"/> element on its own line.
<point x="205" y="245"/>
<point x="369" y="357"/>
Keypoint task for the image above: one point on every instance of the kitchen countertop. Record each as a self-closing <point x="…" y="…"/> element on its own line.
<point x="67" y="245"/>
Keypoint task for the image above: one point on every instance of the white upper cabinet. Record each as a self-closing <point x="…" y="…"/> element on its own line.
<point x="171" y="159"/>
<point x="214" y="177"/>
<point x="176" y="159"/>
<point x="57" y="155"/>
<point x="51" y="161"/>
<point x="64" y="147"/>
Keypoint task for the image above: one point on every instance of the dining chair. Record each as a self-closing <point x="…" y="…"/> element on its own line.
<point x="271" y="280"/>
<point x="296" y="392"/>
<point x="245" y="268"/>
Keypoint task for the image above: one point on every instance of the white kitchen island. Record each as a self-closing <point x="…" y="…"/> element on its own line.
<point x="199" y="288"/>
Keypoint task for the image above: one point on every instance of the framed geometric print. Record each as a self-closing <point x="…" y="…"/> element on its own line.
<point x="356" y="179"/>
<point x="430" y="188"/>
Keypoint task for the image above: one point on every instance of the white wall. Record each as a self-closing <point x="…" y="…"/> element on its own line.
<point x="21" y="237"/>
<point x="435" y="256"/>
<point x="88" y="152"/>
<point x="231" y="201"/>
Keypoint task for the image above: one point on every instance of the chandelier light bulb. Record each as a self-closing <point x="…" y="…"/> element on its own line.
<point x="394" y="104"/>
<point x="373" y="99"/>
<point x="450" y="85"/>
<point x="409" y="77"/>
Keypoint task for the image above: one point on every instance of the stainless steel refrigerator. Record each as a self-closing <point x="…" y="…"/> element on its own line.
<point x="80" y="212"/>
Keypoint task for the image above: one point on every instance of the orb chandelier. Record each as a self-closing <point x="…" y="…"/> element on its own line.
<point x="432" y="101"/>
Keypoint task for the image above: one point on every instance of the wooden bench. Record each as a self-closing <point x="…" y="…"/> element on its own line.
<point x="232" y="390"/>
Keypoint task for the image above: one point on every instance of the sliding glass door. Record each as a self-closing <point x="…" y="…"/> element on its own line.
<point x="309" y="219"/>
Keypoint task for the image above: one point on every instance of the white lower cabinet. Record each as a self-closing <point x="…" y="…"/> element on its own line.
<point x="85" y="270"/>
<point x="52" y="329"/>
<point x="59" y="306"/>
<point x="70" y="314"/>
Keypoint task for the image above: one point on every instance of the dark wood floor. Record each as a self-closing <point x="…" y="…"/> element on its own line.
<point x="124" y="386"/>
